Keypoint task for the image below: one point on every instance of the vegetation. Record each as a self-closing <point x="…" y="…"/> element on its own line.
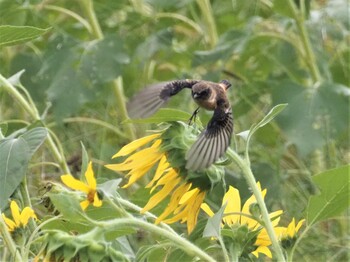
<point x="67" y="69"/>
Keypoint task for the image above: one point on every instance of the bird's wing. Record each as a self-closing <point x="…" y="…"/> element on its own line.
<point x="212" y="142"/>
<point x="151" y="98"/>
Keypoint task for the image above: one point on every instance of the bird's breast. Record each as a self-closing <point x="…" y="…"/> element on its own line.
<point x="209" y="104"/>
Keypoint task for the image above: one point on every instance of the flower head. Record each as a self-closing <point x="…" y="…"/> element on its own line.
<point x="287" y="235"/>
<point x="20" y="219"/>
<point x="183" y="190"/>
<point x="90" y="187"/>
<point x="237" y="216"/>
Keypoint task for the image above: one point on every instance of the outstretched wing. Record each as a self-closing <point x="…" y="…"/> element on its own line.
<point x="212" y="142"/>
<point x="151" y="98"/>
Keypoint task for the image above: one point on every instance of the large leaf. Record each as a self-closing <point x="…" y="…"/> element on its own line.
<point x="15" y="154"/>
<point x="14" y="35"/>
<point x="334" y="199"/>
<point x="314" y="115"/>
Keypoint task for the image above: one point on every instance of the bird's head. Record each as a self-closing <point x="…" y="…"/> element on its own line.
<point x="201" y="91"/>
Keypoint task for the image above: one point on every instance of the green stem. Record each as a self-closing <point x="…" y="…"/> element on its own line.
<point x="207" y="12"/>
<point x="309" y="54"/>
<point x="34" y="114"/>
<point x="300" y="237"/>
<point x="180" y="242"/>
<point x="247" y="172"/>
<point x="117" y="85"/>
<point x="224" y="251"/>
<point x="6" y="236"/>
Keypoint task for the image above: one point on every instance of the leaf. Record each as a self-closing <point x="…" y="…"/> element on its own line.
<point x="15" y="154"/>
<point x="14" y="35"/>
<point x="334" y="198"/>
<point x="270" y="115"/>
<point x="163" y="115"/>
<point x="67" y="204"/>
<point x="84" y="158"/>
<point x="3" y="129"/>
<point x="102" y="61"/>
<point x="312" y="113"/>
<point x="213" y="226"/>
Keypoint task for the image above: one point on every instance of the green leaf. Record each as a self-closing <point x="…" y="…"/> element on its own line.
<point x="84" y="158"/>
<point x="14" y="35"/>
<point x="335" y="195"/>
<point x="270" y="115"/>
<point x="15" y="154"/>
<point x="213" y="227"/>
<point x="163" y="115"/>
<point x="3" y="129"/>
<point x="67" y="204"/>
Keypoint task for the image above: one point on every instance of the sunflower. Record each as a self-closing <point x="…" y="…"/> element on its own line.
<point x="89" y="188"/>
<point x="20" y="219"/>
<point x="237" y="217"/>
<point x="183" y="190"/>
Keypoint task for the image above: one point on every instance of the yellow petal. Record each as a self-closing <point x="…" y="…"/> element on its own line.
<point x="138" y="160"/>
<point x="263" y="250"/>
<point x="251" y="223"/>
<point x="15" y="213"/>
<point x="157" y="143"/>
<point x="194" y="210"/>
<point x="26" y="214"/>
<point x="291" y="228"/>
<point x="169" y="176"/>
<point x="136" y="174"/>
<point x="84" y="204"/>
<point x="159" y="196"/>
<point x="75" y="184"/>
<point x="11" y="225"/>
<point x="162" y="166"/>
<point x="174" y="201"/>
<point x="263" y="238"/>
<point x="97" y="201"/>
<point x="299" y="225"/>
<point x="90" y="178"/>
<point x="233" y="205"/>
<point x="207" y="209"/>
<point x="188" y="195"/>
<point x="131" y="147"/>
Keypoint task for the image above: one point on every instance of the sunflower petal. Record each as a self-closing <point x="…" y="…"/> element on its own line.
<point x="15" y="213"/>
<point x="207" y="209"/>
<point x="26" y="214"/>
<point x="11" y="225"/>
<point x="264" y="250"/>
<point x="233" y="205"/>
<point x="131" y="147"/>
<point x="97" y="202"/>
<point x="75" y="184"/>
<point x="84" y="204"/>
<point x="90" y="178"/>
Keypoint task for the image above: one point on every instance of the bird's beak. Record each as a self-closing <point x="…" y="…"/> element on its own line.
<point x="195" y="95"/>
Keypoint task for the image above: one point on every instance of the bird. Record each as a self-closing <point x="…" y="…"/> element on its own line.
<point x="214" y="140"/>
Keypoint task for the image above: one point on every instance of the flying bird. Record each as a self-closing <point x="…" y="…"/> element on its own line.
<point x="215" y="138"/>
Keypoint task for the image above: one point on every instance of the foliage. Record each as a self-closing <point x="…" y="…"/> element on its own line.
<point x="67" y="68"/>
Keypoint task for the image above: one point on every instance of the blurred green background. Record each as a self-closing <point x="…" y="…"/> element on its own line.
<point x="273" y="52"/>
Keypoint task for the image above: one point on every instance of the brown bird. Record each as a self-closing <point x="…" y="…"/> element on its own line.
<point x="214" y="140"/>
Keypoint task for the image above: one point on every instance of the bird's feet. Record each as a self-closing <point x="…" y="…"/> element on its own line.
<point x="193" y="117"/>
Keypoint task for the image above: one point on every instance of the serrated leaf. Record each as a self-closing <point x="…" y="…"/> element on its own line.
<point x="213" y="226"/>
<point x="163" y="115"/>
<point x="15" y="154"/>
<point x="14" y="35"/>
<point x="334" y="198"/>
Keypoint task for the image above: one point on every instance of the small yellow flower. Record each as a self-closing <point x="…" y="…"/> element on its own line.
<point x="19" y="218"/>
<point x="234" y="214"/>
<point x="291" y="230"/>
<point x="185" y="199"/>
<point x="89" y="188"/>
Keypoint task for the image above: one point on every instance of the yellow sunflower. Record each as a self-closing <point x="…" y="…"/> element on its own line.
<point x="235" y="215"/>
<point x="183" y="190"/>
<point x="89" y="188"/>
<point x="20" y="219"/>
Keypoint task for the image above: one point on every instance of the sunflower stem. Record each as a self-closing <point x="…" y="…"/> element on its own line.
<point x="32" y="111"/>
<point x="247" y="172"/>
<point x="180" y="242"/>
<point x="6" y="236"/>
